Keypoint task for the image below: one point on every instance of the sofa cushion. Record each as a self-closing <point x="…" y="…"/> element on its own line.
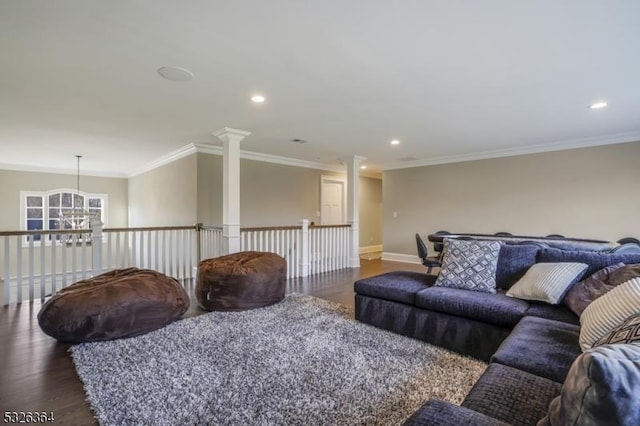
<point x="601" y="388"/>
<point x="627" y="332"/>
<point x="462" y="335"/>
<point x="586" y="291"/>
<point x="540" y="346"/>
<point x="609" y="311"/>
<point x="442" y="413"/>
<point x="596" y="260"/>
<point x="512" y="395"/>
<point x="552" y="312"/>
<point x="400" y="286"/>
<point x="547" y="282"/>
<point x="469" y="264"/>
<point x="494" y="309"/>
<point x="513" y="262"/>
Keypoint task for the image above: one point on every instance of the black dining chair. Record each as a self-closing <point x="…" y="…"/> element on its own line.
<point x="429" y="261"/>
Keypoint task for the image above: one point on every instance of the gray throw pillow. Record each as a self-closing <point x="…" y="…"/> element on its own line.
<point x="602" y="388"/>
<point x="469" y="265"/>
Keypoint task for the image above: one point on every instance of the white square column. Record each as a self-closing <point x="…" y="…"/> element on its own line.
<point x="353" y="208"/>
<point x="231" y="187"/>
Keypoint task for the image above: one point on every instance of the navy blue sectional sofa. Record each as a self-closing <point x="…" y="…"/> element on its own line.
<point x="530" y="346"/>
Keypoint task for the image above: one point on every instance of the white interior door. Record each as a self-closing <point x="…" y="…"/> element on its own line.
<point x="332" y="194"/>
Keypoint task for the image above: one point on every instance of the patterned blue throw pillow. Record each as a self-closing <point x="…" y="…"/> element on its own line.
<point x="469" y="265"/>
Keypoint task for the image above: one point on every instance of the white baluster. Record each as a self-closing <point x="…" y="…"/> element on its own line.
<point x="63" y="249"/>
<point x="149" y="250"/>
<point x="31" y="238"/>
<point x="19" y="268"/>
<point x="84" y="255"/>
<point x="6" y="283"/>
<point x="42" y="266"/>
<point x="54" y="277"/>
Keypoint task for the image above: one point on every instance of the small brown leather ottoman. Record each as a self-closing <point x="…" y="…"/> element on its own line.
<point x="116" y="304"/>
<point x="241" y="281"/>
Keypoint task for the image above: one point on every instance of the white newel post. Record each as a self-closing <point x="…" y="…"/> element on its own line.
<point x="230" y="187"/>
<point x="353" y="208"/>
<point x="96" y="245"/>
<point x="304" y="242"/>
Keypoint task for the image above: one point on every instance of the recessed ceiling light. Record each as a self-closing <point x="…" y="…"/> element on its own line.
<point x="395" y="142"/>
<point x="363" y="167"/>
<point x="598" y="105"/>
<point x="258" y="99"/>
<point x="175" y="73"/>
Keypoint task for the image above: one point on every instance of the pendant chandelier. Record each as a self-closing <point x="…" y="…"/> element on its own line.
<point x="78" y="217"/>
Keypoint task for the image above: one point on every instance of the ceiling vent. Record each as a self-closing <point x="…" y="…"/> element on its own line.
<point x="412" y="158"/>
<point x="300" y="141"/>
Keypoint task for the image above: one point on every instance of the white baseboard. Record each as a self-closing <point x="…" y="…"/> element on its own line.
<point x="370" y="249"/>
<point x="399" y="257"/>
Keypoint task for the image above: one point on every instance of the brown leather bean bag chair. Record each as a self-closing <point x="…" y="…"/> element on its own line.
<point x="116" y="304"/>
<point x="241" y="281"/>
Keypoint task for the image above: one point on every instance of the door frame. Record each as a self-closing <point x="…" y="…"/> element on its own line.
<point x="334" y="179"/>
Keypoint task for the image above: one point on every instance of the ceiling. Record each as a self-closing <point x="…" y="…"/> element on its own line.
<point x="452" y="80"/>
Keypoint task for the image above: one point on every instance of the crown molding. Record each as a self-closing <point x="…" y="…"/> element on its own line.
<point x="374" y="174"/>
<point x="59" y="171"/>
<point x="192" y="148"/>
<point x="231" y="131"/>
<point x="202" y="148"/>
<point x="512" y="152"/>
<point x="268" y="158"/>
<point x="179" y="153"/>
<point x="208" y="149"/>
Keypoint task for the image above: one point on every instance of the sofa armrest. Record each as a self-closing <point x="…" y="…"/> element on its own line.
<point x="442" y="413"/>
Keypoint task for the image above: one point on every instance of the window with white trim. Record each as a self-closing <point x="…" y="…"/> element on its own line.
<point x="43" y="210"/>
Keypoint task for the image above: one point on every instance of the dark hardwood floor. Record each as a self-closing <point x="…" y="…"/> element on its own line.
<point x="37" y="373"/>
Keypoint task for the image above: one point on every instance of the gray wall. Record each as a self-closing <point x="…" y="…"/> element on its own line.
<point x="270" y="194"/>
<point x="165" y="196"/>
<point x="370" y="211"/>
<point x="588" y="192"/>
<point x="12" y="182"/>
<point x="210" y="189"/>
<point x="276" y="194"/>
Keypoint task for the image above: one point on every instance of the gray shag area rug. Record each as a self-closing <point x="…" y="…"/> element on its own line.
<point x="301" y="361"/>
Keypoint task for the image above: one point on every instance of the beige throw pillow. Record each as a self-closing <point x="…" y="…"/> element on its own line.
<point x="608" y="312"/>
<point x="547" y="282"/>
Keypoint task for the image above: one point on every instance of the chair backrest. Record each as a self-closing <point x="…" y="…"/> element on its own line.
<point x="422" y="247"/>
<point x="629" y="240"/>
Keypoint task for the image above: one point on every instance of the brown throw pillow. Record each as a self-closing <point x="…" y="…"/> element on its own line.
<point x="586" y="291"/>
<point x="624" y="274"/>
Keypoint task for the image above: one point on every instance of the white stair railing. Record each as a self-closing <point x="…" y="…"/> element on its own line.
<point x="329" y="248"/>
<point x="36" y="264"/>
<point x="308" y="249"/>
<point x="282" y="240"/>
<point x="170" y="250"/>
<point x="209" y="241"/>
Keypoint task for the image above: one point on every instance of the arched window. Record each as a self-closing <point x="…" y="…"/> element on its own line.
<point x="43" y="210"/>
